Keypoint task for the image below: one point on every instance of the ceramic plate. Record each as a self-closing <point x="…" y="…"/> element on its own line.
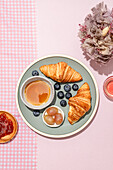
<point x="66" y="129"/>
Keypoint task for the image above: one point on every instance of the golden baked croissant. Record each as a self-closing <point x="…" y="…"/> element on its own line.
<point x="61" y="72"/>
<point x="79" y="104"/>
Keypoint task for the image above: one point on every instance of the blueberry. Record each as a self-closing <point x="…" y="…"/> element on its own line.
<point x="63" y="103"/>
<point x="36" y="113"/>
<point x="67" y="87"/>
<point x="57" y="86"/>
<point x="60" y="95"/>
<point x="68" y="95"/>
<point x="35" y="73"/>
<point x="75" y="87"/>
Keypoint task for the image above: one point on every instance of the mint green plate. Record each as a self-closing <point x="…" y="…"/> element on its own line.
<point x="66" y="129"/>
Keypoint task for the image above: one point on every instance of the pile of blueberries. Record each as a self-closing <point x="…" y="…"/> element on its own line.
<point x="67" y="95"/>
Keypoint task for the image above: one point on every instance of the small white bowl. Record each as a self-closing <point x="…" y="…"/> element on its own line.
<point x="32" y="79"/>
<point x="59" y="111"/>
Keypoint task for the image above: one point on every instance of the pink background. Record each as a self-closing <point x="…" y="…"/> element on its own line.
<point x="57" y="27"/>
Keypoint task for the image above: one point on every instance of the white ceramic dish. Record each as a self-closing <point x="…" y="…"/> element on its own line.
<point x="59" y="111"/>
<point x="32" y="79"/>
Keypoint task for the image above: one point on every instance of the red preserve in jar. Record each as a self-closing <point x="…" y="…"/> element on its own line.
<point x="108" y="87"/>
<point x="8" y="126"/>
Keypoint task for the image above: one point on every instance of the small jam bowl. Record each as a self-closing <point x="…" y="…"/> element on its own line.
<point x="9" y="137"/>
<point x="36" y="107"/>
<point x="59" y="111"/>
<point x="108" y="87"/>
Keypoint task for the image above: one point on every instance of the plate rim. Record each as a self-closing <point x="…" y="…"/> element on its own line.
<point x="85" y="124"/>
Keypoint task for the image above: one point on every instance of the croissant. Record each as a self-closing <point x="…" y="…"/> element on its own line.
<point x="61" y="72"/>
<point x="79" y="104"/>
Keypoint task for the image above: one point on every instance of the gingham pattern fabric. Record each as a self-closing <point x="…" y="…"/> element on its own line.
<point x="17" y="50"/>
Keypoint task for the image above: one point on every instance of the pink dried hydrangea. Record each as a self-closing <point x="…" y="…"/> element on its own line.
<point x="96" y="34"/>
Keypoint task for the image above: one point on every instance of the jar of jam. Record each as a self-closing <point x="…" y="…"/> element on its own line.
<point x="8" y="126"/>
<point x="108" y="88"/>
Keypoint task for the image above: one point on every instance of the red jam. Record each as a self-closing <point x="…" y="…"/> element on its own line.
<point x="6" y="125"/>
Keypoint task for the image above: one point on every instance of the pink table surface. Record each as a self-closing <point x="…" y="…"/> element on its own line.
<point x="57" y="33"/>
<point x="17" y="50"/>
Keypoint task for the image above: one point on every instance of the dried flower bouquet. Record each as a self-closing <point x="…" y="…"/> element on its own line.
<point x="96" y="34"/>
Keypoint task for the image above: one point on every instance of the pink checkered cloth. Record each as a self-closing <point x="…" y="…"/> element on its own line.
<point x="17" y="50"/>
